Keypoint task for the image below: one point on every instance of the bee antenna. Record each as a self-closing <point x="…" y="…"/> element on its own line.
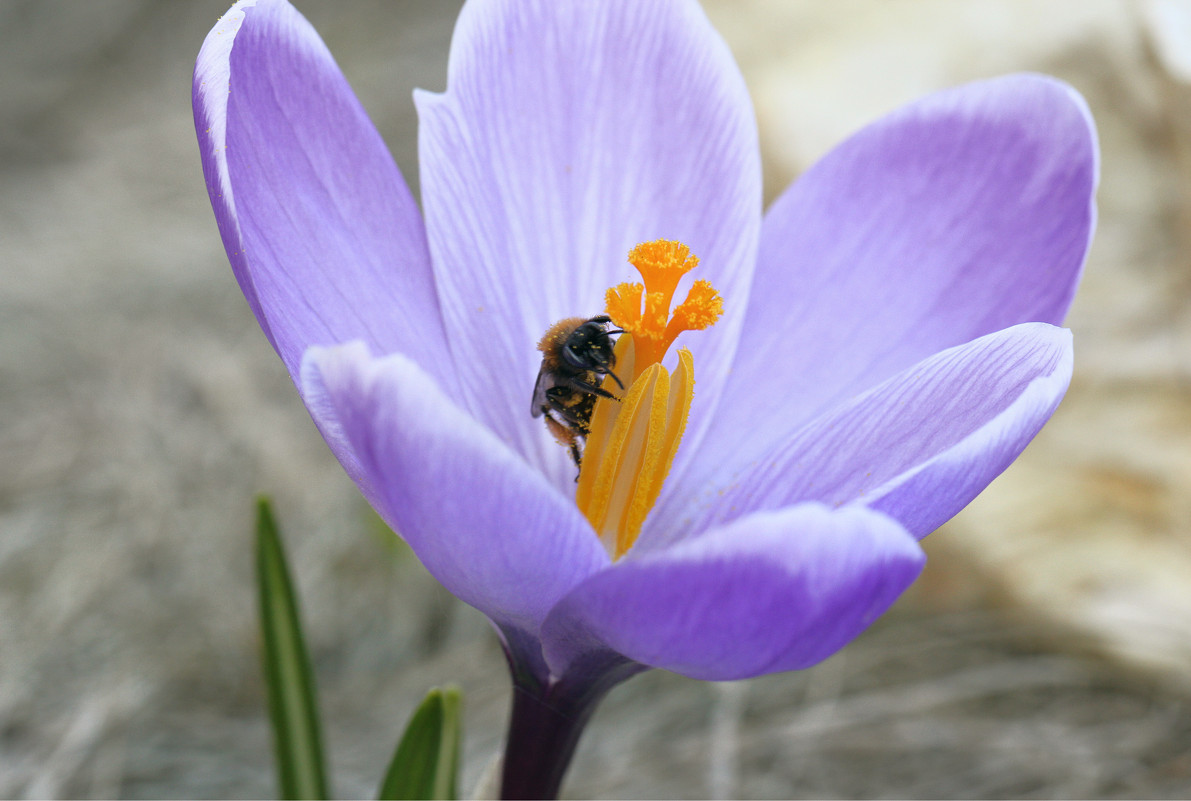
<point x="617" y="380"/>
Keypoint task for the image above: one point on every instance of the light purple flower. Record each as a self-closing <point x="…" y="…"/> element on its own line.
<point x="888" y="347"/>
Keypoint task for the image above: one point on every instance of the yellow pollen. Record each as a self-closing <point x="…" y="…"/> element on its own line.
<point x="643" y="310"/>
<point x="633" y="441"/>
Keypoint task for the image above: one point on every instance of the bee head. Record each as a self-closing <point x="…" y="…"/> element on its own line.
<point x="589" y="347"/>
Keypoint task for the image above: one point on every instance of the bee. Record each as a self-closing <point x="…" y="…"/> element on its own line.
<point x="576" y="354"/>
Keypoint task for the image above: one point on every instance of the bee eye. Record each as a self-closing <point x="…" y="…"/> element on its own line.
<point x="576" y="356"/>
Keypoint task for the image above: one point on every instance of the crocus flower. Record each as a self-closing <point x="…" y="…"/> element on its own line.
<point x="888" y="341"/>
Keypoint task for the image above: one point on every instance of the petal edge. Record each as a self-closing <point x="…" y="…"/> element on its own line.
<point x="771" y="592"/>
<point x="489" y="527"/>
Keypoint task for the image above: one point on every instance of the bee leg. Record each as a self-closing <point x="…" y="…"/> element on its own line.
<point x="605" y="368"/>
<point x="578" y="457"/>
<point x="575" y="414"/>
<point x="584" y="386"/>
<point x="566" y="413"/>
<point x="557" y="399"/>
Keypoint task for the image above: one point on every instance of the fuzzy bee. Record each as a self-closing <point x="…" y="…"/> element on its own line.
<point x="576" y="354"/>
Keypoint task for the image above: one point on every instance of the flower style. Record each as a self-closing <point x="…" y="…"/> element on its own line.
<point x="888" y="341"/>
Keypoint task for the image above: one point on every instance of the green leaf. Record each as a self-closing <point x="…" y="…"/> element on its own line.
<point x="288" y="675"/>
<point x="426" y="764"/>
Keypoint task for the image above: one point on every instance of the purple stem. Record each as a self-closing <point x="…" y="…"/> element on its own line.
<point x="548" y="717"/>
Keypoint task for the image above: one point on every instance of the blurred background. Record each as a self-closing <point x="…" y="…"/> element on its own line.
<point x="1045" y="653"/>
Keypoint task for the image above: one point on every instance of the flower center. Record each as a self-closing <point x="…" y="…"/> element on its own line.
<point x="632" y="442"/>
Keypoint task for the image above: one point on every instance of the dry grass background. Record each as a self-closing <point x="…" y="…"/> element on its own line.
<point x="1044" y="655"/>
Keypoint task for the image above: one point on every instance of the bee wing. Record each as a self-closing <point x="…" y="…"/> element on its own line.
<point x="545" y="381"/>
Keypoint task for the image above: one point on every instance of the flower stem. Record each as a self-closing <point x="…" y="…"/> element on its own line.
<point x="548" y="718"/>
<point x="541" y="742"/>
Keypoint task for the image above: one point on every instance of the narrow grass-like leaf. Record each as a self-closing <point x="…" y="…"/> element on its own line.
<point x="426" y="764"/>
<point x="288" y="676"/>
<point x="447" y="780"/>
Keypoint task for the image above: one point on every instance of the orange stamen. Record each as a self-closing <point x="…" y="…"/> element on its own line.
<point x="633" y="441"/>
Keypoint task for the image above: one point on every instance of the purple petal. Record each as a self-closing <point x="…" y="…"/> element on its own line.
<point x="569" y="132"/>
<point x="323" y="235"/>
<point x="769" y="592"/>
<point x="919" y="446"/>
<point x="483" y="522"/>
<point x="962" y="214"/>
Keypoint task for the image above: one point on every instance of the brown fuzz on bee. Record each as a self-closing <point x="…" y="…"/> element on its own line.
<point x="576" y="355"/>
